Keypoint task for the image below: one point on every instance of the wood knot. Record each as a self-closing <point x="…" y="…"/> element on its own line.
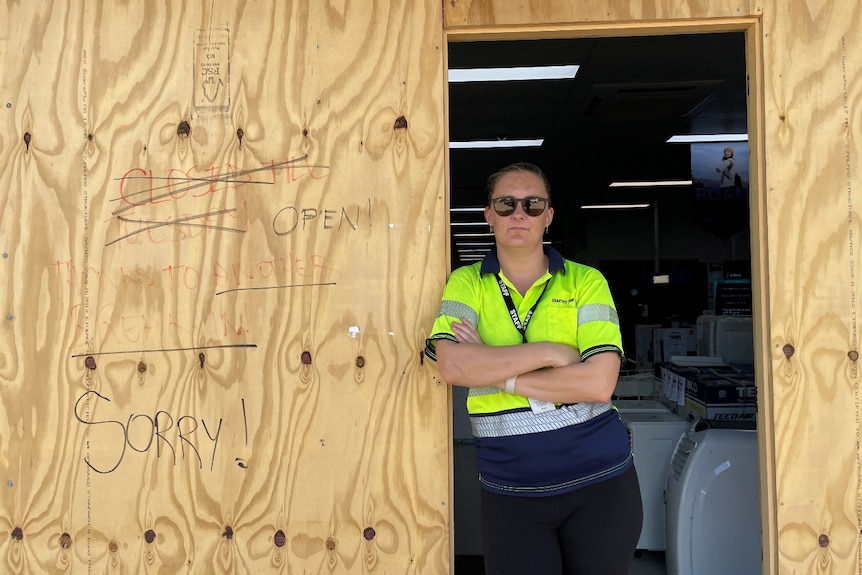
<point x="27" y="138"/>
<point x="202" y="359"/>
<point x="65" y="540"/>
<point x="330" y="544"/>
<point x="788" y="351"/>
<point x="400" y="123"/>
<point x="90" y="362"/>
<point x="823" y="541"/>
<point x="360" y="362"/>
<point x="306" y="357"/>
<point x="369" y="533"/>
<point x="228" y="532"/>
<point x="184" y="129"/>
<point x="89" y="137"/>
<point x="17" y="534"/>
<point x="853" y="355"/>
<point x="142" y="367"/>
<point x="280" y="539"/>
<point x="305" y="132"/>
<point x="113" y="546"/>
<point x="150" y="536"/>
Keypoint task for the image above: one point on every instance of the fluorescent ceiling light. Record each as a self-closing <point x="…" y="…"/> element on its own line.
<point x="661" y="279"/>
<point x="479" y="209"/>
<point x="485" y="235"/>
<point x="703" y="138"/>
<point x="485" y="244"/>
<point x="653" y="184"/>
<point x="468" y="223"/>
<point x="613" y="206"/>
<point x="509" y="74"/>
<point x="474" y="144"/>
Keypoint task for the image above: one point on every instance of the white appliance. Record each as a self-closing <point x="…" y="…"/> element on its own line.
<point x="713" y="502"/>
<point x="654" y="435"/>
<point x="730" y="337"/>
<point x="640" y="405"/>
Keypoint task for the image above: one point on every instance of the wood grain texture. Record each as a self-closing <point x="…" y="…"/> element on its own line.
<point x="812" y="97"/>
<point x="490" y="13"/>
<point x="221" y="214"/>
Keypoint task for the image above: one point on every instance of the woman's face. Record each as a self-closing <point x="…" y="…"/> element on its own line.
<point x="519" y="229"/>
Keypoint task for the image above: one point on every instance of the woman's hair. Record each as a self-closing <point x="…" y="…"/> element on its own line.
<point x="494" y="178"/>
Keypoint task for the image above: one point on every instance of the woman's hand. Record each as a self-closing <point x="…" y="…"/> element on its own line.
<point x="465" y="332"/>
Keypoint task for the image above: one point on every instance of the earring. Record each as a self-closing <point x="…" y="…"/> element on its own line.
<point x="492" y="228"/>
<point x="546" y="230"/>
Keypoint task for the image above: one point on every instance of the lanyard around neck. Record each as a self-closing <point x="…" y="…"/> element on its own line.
<point x="521" y="326"/>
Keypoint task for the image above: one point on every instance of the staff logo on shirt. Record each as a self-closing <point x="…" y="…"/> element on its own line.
<point x="564" y="301"/>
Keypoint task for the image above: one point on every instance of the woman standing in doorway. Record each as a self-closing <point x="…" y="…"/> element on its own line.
<point x="537" y="339"/>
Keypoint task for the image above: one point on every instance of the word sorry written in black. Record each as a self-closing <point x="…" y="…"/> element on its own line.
<point x="142" y="432"/>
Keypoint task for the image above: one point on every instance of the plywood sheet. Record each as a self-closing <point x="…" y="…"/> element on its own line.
<point x="221" y="234"/>
<point x="489" y="13"/>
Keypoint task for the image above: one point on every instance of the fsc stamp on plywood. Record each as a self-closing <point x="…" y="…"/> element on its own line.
<point x="212" y="71"/>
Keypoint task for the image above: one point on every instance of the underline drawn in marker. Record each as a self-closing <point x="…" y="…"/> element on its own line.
<point x="274" y="287"/>
<point x="174" y="349"/>
<point x="178" y="222"/>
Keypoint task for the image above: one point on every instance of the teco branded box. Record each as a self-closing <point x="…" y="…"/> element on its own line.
<point x="721" y="398"/>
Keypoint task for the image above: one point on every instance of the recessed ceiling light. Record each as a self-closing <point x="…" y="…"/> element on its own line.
<point x="614" y="206"/>
<point x="512" y="74"/>
<point x="474" y="144"/>
<point x="703" y="138"/>
<point x="652" y="184"/>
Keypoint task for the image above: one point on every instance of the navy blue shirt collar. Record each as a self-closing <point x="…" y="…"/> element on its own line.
<point x="491" y="264"/>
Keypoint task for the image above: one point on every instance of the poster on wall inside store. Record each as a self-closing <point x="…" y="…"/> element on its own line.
<point x="719" y="173"/>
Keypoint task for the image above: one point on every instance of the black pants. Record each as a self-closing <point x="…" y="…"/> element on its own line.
<point x="589" y="531"/>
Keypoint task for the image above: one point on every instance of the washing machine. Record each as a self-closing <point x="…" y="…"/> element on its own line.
<point x="712" y="502"/>
<point x="654" y="434"/>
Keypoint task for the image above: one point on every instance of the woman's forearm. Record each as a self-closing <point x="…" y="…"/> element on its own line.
<point x="592" y="380"/>
<point x="479" y="365"/>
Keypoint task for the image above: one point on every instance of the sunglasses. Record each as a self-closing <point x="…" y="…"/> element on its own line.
<point x="533" y="206"/>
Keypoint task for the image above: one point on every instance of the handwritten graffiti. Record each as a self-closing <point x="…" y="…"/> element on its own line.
<point x="175" y="437"/>
<point x="264" y="272"/>
<point x="288" y="219"/>
<point x="141" y="187"/>
<point x="143" y="190"/>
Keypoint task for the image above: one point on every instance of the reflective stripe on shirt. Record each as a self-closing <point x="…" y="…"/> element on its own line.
<point x="525" y="422"/>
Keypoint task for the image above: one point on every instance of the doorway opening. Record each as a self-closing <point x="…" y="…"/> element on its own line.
<point x="648" y="211"/>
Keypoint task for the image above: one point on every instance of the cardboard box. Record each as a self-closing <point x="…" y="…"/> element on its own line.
<point x="721" y="398"/>
<point x="670" y="341"/>
<point x="721" y="393"/>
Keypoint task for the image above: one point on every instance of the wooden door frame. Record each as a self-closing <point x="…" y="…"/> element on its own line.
<point x="752" y="27"/>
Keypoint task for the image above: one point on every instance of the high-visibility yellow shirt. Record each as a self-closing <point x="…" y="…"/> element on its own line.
<point x="568" y="447"/>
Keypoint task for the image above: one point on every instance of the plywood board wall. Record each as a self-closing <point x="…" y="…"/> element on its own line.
<point x="805" y="104"/>
<point x="223" y="241"/>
